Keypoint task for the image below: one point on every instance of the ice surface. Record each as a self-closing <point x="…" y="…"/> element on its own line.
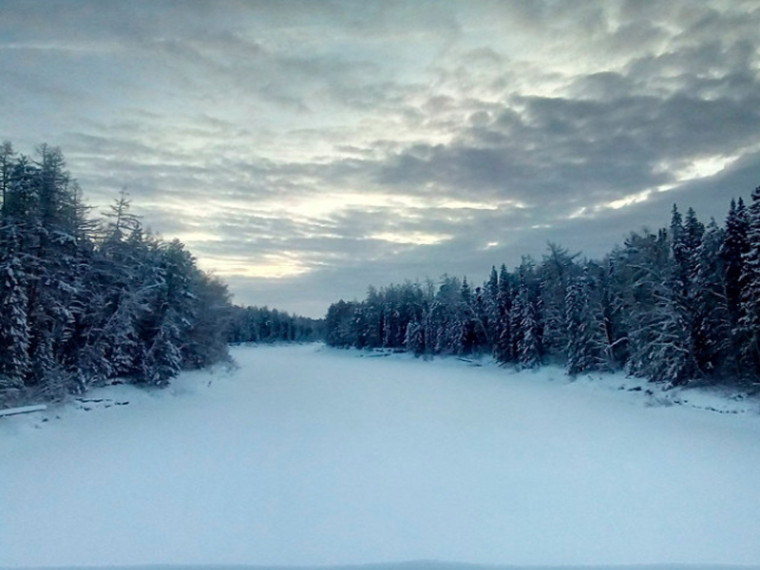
<point x="310" y="456"/>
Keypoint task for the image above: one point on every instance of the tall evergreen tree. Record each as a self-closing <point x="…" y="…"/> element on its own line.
<point x="14" y="328"/>
<point x="504" y="347"/>
<point x="735" y="246"/>
<point x="749" y="321"/>
<point x="528" y="349"/>
<point x="414" y="339"/>
<point x="714" y="347"/>
<point x="556" y="271"/>
<point x="585" y="328"/>
<point x="6" y="168"/>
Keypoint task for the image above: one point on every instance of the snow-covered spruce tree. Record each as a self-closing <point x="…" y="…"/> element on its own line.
<point x="658" y="301"/>
<point x="692" y="240"/>
<point x="430" y="327"/>
<point x="529" y="354"/>
<point x="482" y="322"/>
<point x="504" y="347"/>
<point x="339" y="324"/>
<point x="528" y="349"/>
<point x="749" y="321"/>
<point x="613" y="315"/>
<point x="6" y="167"/>
<point x="414" y="339"/>
<point x="557" y="269"/>
<point x="491" y="307"/>
<point x="585" y="328"/>
<point x="206" y="341"/>
<point x="369" y="321"/>
<point x="673" y="337"/>
<point x="674" y="324"/>
<point x="465" y="341"/>
<point x="735" y="246"/>
<point x="14" y="328"/>
<point x="445" y="316"/>
<point x="641" y="270"/>
<point x="174" y="309"/>
<point x="122" y="279"/>
<point x="712" y="315"/>
<point x="163" y="359"/>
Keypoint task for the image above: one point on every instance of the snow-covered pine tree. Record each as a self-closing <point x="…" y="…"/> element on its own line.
<point x="675" y="324"/>
<point x="163" y="360"/>
<point x="6" y="167"/>
<point x="414" y="340"/>
<point x="492" y="285"/>
<point x="504" y="346"/>
<point x="657" y="336"/>
<point x="482" y="319"/>
<point x="555" y="273"/>
<point x="528" y="353"/>
<point x="490" y="307"/>
<point x="528" y="350"/>
<point x="735" y="246"/>
<point x="711" y="304"/>
<point x="585" y="328"/>
<point x="749" y="321"/>
<point x="465" y="340"/>
<point x="14" y="328"/>
<point x="206" y="341"/>
<point x="612" y="307"/>
<point x="664" y="326"/>
<point x="338" y="324"/>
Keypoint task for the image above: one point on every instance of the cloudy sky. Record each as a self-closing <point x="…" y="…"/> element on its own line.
<point x="304" y="150"/>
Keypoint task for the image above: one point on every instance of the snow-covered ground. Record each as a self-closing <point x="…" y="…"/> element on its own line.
<point x="310" y="456"/>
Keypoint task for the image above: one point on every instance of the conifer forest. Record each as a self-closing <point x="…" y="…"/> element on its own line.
<point x="85" y="300"/>
<point x="678" y="305"/>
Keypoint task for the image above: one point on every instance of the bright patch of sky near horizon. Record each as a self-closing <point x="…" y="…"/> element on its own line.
<point x="305" y="150"/>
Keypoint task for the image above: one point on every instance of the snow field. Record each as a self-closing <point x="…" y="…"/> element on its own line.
<point x="309" y="456"/>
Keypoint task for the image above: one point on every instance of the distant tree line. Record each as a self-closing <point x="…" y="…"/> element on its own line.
<point x="265" y="325"/>
<point x="83" y="300"/>
<point x="678" y="305"/>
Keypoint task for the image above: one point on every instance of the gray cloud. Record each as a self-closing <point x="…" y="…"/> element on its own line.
<point x="341" y="144"/>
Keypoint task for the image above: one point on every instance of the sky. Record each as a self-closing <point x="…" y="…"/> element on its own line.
<point x="304" y="150"/>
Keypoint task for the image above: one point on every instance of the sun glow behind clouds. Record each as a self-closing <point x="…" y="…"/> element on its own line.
<point x="267" y="266"/>
<point x="411" y="238"/>
<point x="318" y="216"/>
<point x="704" y="167"/>
<point x="324" y="205"/>
<point x="693" y="170"/>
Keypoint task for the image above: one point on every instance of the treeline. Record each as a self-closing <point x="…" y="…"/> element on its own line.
<point x="677" y="305"/>
<point x="264" y="325"/>
<point x="85" y="300"/>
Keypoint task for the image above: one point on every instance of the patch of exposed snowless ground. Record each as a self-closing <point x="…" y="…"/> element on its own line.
<point x="309" y="456"/>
